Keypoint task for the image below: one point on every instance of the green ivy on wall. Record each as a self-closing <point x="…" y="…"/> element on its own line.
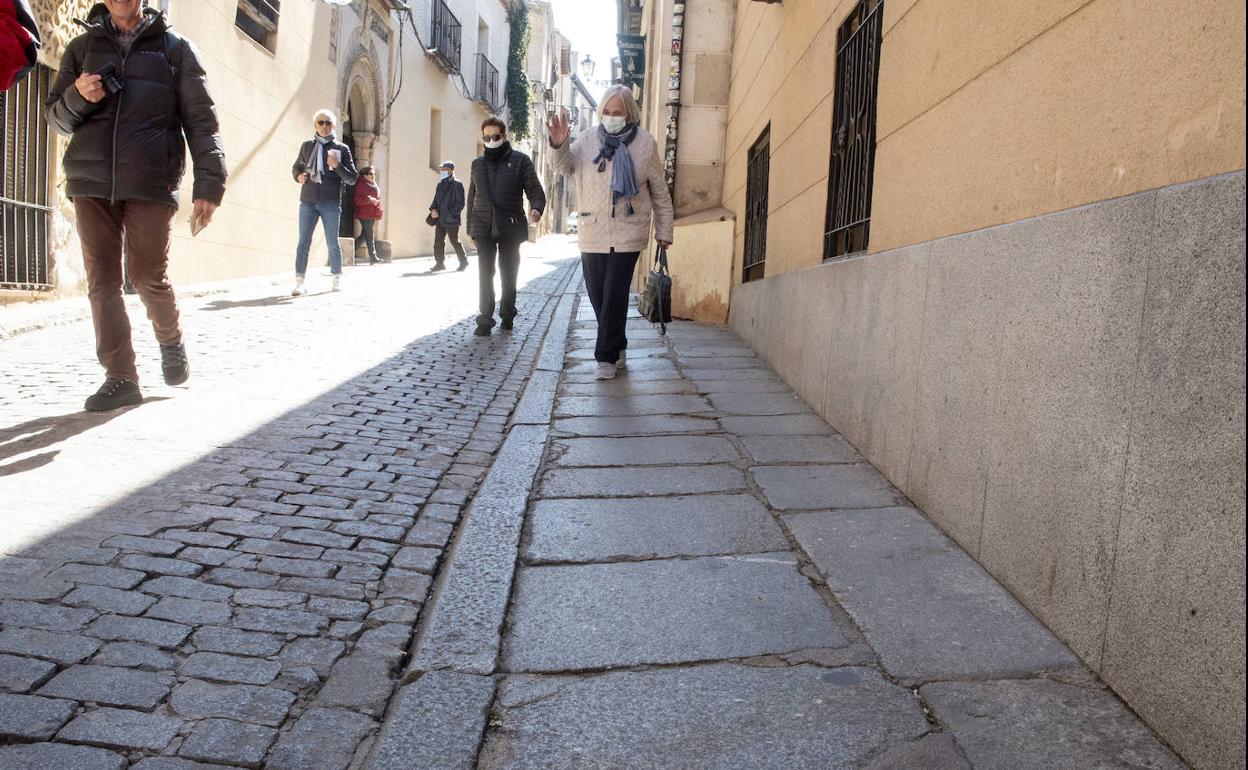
<point x="517" y="82"/>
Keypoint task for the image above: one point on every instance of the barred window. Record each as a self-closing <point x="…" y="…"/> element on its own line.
<point x="758" y="178"/>
<point x="258" y="20"/>
<point x="850" y="176"/>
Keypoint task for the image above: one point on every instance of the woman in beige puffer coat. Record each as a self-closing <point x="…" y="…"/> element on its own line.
<point x="620" y="189"/>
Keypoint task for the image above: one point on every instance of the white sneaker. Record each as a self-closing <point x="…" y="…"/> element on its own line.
<point x="619" y="362"/>
<point x="298" y="291"/>
<point x="604" y="371"/>
<point x="337" y="284"/>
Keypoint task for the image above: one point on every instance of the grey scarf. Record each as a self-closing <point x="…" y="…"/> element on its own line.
<point x="316" y="164"/>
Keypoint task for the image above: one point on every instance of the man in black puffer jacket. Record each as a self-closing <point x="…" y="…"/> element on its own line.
<point x="496" y="220"/>
<point x="127" y="92"/>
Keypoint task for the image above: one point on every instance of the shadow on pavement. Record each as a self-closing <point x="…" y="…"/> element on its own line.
<point x="45" y="432"/>
<point x="226" y="304"/>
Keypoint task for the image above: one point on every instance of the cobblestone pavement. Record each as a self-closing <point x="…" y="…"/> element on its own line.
<point x="230" y="573"/>
<point x="708" y="576"/>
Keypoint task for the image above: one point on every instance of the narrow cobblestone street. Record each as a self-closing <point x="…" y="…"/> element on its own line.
<point x="363" y="538"/>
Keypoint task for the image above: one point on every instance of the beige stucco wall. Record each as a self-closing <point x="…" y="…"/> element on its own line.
<point x="265" y="103"/>
<point x="987" y="116"/>
<point x="702" y="290"/>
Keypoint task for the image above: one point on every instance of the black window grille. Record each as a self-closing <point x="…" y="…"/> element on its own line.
<point x="850" y="176"/>
<point x="487" y="82"/>
<point x="758" y="170"/>
<point x="447" y="36"/>
<point x="25" y="208"/>
<point x="258" y="20"/>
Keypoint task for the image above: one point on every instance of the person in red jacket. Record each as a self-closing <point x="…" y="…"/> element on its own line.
<point x="19" y="42"/>
<point x="368" y="210"/>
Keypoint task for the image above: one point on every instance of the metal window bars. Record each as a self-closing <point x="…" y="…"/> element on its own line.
<point x="266" y="12"/>
<point x="486" y="90"/>
<point x="758" y="176"/>
<point x="447" y="34"/>
<point x="25" y="210"/>
<point x="847" y="227"/>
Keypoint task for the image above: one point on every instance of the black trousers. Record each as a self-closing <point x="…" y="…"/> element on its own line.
<point x="608" y="278"/>
<point x="440" y="234"/>
<point x="507" y="255"/>
<point x="370" y="240"/>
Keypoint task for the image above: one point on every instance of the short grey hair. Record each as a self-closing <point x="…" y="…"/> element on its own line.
<point x="631" y="111"/>
<point x="325" y="114"/>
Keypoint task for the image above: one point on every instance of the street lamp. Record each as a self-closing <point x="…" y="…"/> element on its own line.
<point x="587" y="68"/>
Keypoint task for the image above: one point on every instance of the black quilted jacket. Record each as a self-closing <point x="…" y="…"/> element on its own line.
<point x="503" y="182"/>
<point x="130" y="146"/>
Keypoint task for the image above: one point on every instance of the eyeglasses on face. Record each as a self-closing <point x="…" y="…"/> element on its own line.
<point x="324" y="122"/>
<point x="492" y="137"/>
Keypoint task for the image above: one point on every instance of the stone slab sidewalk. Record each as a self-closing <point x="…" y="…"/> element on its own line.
<point x="701" y="573"/>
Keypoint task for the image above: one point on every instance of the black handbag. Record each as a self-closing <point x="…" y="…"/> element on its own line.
<point x="655" y="302"/>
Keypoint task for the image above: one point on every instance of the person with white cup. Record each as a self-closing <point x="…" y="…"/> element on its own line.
<point x="324" y="165"/>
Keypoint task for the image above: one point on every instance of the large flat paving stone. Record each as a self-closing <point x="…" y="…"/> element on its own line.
<point x="631" y="528"/>
<point x="630" y="405"/>
<point x="636" y="351"/>
<point x="762" y="404"/>
<point x="622" y="386"/>
<point x="929" y="610"/>
<point x="697" y="373"/>
<point x="648" y="425"/>
<point x="814" y="487"/>
<point x="642" y="482"/>
<point x="638" y="369"/>
<point x="800" y="449"/>
<point x="1041" y="724"/>
<point x="719" y="716"/>
<point x="570" y="618"/>
<point x="648" y="450"/>
<point x="783" y="425"/>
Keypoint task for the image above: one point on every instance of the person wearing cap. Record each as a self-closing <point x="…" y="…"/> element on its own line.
<point x="447" y="207"/>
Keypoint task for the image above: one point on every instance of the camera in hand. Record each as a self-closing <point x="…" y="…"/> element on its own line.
<point x="109" y="79"/>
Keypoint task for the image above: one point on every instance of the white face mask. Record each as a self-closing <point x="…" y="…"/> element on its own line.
<point x="614" y="123"/>
<point x="495" y="145"/>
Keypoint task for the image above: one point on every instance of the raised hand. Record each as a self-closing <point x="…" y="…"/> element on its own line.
<point x="558" y="129"/>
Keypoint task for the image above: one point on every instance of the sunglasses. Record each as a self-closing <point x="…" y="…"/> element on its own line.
<point x="492" y="137"/>
<point x="324" y="122"/>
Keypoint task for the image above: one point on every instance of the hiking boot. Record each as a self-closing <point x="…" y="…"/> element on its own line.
<point x="604" y="371"/>
<point x="619" y="362"/>
<point x="173" y="364"/>
<point x="114" y="394"/>
<point x="505" y="325"/>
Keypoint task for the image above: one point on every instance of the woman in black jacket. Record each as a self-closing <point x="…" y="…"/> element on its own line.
<point x="496" y="220"/>
<point x="324" y="165"/>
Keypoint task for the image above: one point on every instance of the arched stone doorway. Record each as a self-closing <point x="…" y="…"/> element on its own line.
<point x="361" y="100"/>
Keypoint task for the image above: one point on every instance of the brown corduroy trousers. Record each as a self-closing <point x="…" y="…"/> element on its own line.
<point x="142" y="230"/>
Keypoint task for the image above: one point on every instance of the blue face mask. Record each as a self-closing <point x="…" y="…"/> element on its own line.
<point x="444" y="175"/>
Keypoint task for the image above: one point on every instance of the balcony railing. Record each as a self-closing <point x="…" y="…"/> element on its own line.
<point x="487" y="82"/>
<point x="447" y="34"/>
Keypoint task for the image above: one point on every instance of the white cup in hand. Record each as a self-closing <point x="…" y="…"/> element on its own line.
<point x="334" y="157"/>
